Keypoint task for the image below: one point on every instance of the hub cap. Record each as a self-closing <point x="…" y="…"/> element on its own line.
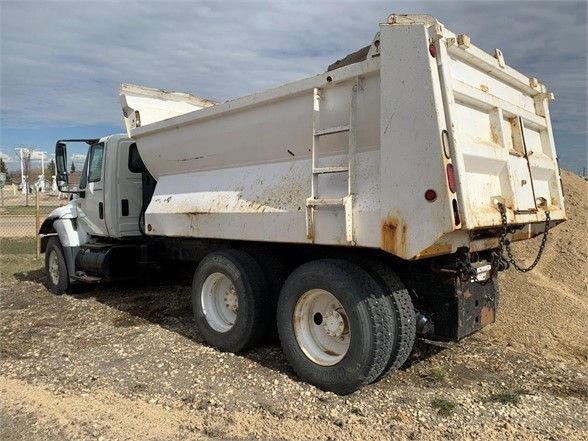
<point x="219" y="302"/>
<point x="54" y="267"/>
<point x="321" y="327"/>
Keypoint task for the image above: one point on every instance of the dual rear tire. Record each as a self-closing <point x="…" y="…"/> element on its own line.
<point x="340" y="325"/>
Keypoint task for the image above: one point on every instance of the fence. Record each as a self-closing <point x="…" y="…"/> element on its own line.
<point x="21" y="216"/>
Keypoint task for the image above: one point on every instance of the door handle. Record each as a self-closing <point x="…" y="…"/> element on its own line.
<point x="100" y="210"/>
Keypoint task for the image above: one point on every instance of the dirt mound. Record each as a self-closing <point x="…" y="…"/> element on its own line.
<point x="546" y="310"/>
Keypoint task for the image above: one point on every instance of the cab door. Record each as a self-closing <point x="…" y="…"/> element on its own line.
<point x="91" y="202"/>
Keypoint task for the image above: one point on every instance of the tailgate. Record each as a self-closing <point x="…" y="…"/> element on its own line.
<point x="501" y="138"/>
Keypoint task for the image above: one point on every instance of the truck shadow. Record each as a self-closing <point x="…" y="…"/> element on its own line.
<point x="167" y="303"/>
<point x="165" y="300"/>
<point x="37" y="275"/>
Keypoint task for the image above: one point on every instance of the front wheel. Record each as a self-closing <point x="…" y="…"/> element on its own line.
<point x="56" y="267"/>
<point x="335" y="325"/>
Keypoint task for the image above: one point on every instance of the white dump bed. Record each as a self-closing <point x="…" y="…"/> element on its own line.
<point x="360" y="155"/>
<point x="156" y="104"/>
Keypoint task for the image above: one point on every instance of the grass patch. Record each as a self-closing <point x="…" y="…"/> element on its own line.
<point x="511" y="396"/>
<point x="22" y="245"/>
<point x="436" y="375"/>
<point x="444" y="406"/>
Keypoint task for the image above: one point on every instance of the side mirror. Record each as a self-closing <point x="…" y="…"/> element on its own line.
<point x="61" y="166"/>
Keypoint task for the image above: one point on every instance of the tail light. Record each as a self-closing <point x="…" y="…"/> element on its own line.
<point x="451" y="177"/>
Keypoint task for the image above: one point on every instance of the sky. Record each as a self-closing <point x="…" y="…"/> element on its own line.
<point x="61" y="62"/>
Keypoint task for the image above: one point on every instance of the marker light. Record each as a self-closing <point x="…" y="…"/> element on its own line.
<point x="430" y="195"/>
<point x="451" y="177"/>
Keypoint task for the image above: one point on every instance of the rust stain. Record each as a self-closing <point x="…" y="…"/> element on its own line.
<point x="394" y="236"/>
<point x="487" y="315"/>
<point x="435" y="250"/>
<point x="484" y="88"/>
<point x="520" y="236"/>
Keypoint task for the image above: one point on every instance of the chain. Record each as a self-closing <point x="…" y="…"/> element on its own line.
<point x="505" y="243"/>
<point x="498" y="261"/>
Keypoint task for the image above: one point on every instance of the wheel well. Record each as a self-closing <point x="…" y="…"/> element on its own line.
<point x="46" y="231"/>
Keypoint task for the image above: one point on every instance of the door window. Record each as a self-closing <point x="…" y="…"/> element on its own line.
<point x="95" y="166"/>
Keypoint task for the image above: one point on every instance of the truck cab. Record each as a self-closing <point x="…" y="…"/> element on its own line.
<point x="104" y="210"/>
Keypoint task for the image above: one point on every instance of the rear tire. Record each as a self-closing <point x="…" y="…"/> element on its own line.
<point x="321" y="302"/>
<point x="56" y="267"/>
<point x="404" y="316"/>
<point x="276" y="271"/>
<point x="230" y="300"/>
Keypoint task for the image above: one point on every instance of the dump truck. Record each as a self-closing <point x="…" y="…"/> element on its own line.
<point x="347" y="213"/>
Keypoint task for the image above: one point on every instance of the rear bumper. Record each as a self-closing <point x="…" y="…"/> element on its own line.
<point x="472" y="308"/>
<point x="453" y="308"/>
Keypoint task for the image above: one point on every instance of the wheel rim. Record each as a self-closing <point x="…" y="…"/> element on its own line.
<point x="321" y="327"/>
<point x="220" y="303"/>
<point x="54" y="267"/>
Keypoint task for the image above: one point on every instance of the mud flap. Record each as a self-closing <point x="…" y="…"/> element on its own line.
<point x="472" y="307"/>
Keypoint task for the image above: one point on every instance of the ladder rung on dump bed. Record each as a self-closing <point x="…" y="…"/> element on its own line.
<point x="315" y="201"/>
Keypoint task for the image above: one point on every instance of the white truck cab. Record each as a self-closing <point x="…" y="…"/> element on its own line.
<point x="109" y="195"/>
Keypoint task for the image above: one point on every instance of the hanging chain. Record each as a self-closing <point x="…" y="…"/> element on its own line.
<point x="498" y="261"/>
<point x="505" y="243"/>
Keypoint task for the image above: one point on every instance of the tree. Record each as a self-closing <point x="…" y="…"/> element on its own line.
<point x="50" y="170"/>
<point x="73" y="167"/>
<point x="3" y="168"/>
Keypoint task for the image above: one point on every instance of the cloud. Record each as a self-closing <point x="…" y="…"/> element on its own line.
<point x="78" y="158"/>
<point x="12" y="160"/>
<point x="62" y="62"/>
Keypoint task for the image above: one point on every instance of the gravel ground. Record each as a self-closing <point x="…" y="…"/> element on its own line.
<point x="125" y="362"/>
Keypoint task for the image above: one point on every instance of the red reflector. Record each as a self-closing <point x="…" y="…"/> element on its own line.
<point x="451" y="177"/>
<point x="430" y="195"/>
<point x="433" y="50"/>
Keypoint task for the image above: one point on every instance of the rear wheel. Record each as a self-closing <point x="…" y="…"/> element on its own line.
<point x="56" y="267"/>
<point x="334" y="325"/>
<point x="229" y="300"/>
<point x="404" y="316"/>
<point x="275" y="270"/>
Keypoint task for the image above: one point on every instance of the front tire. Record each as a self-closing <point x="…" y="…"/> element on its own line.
<point x="230" y="300"/>
<point x="56" y="267"/>
<point x="334" y="325"/>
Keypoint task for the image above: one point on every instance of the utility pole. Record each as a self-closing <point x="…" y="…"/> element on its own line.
<point x="25" y="167"/>
<point x="22" y="178"/>
<point x="42" y="183"/>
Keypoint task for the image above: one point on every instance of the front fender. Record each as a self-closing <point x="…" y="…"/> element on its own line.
<point x="62" y="222"/>
<point x="68" y="211"/>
